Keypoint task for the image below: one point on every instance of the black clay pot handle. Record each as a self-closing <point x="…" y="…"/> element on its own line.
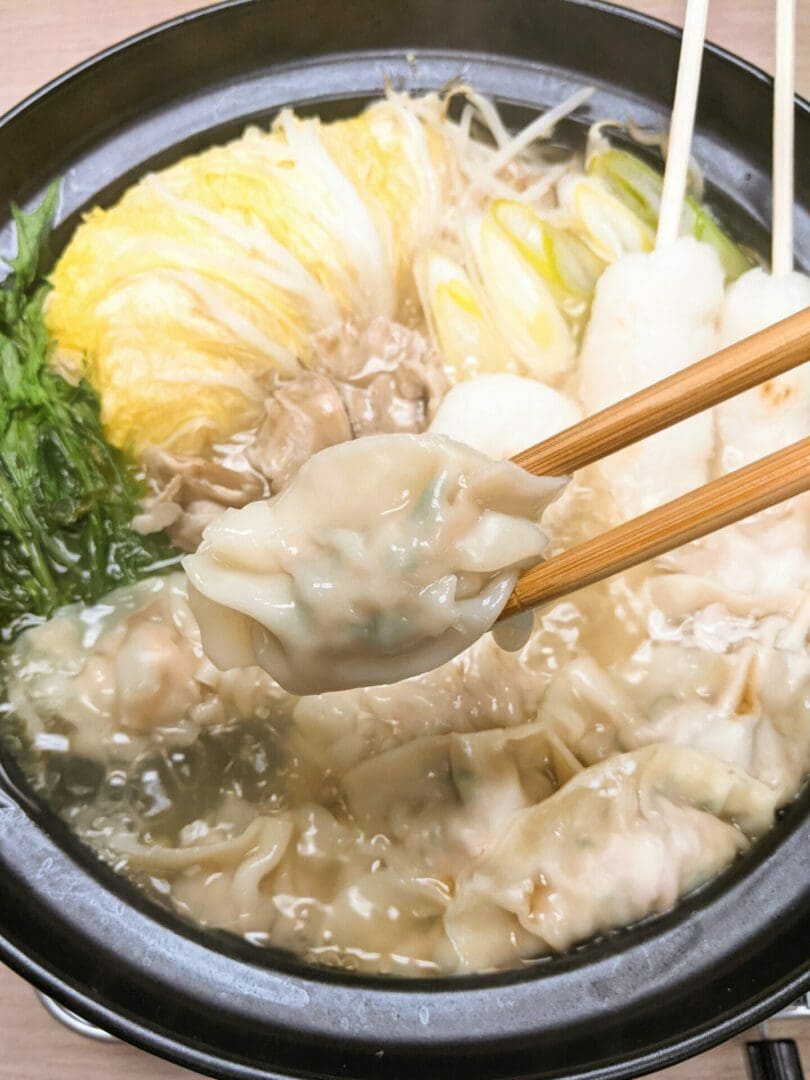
<point x="774" y="1059"/>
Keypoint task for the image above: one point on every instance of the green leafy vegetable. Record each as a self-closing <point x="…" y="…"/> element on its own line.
<point x="67" y="497"/>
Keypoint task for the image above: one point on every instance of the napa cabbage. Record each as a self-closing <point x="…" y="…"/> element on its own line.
<point x="214" y="273"/>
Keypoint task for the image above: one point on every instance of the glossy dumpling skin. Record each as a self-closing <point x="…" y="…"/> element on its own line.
<point x="621" y="840"/>
<point x="483" y="688"/>
<point x="107" y="681"/>
<point x="384" y="558"/>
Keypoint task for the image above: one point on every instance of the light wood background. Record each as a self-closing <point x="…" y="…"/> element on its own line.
<point x="42" y="38"/>
<point x="38" y="40"/>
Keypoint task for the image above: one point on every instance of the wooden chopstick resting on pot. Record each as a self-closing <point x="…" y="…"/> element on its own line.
<point x="746" y="491"/>
<point x="722" y="502"/>
<point x="727" y="373"/>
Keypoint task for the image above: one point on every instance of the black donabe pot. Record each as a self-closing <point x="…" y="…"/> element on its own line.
<point x="732" y="952"/>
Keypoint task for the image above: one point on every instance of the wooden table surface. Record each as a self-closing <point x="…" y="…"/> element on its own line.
<point x="38" y="40"/>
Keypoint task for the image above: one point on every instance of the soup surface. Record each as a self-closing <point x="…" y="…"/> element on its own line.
<point x="415" y="269"/>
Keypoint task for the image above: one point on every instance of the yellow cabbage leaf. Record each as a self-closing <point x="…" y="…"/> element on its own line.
<point x="216" y="270"/>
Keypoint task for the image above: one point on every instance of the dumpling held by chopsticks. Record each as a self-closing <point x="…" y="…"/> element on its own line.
<point x="384" y="558"/>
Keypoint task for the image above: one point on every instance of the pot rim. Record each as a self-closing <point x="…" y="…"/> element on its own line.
<point x="738" y="890"/>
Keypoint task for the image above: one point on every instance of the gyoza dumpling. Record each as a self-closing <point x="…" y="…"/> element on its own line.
<point x="249" y="874"/>
<point x="731" y="686"/>
<point x="722" y="683"/>
<point x="446" y="798"/>
<point x="484" y="687"/>
<point x="104" y="681"/>
<point x="760" y="565"/>
<point x="384" y="558"/>
<point x="623" y="839"/>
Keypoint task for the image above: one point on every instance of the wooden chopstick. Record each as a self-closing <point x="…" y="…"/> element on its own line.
<point x="750" y="362"/>
<point x="721" y="502"/>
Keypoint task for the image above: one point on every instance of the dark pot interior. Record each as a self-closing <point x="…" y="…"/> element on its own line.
<point x="640" y="999"/>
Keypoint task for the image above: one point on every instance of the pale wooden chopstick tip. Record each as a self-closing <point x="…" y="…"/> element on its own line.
<point x="721" y="502"/>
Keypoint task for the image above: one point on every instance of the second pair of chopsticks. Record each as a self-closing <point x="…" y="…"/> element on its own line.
<point x="779" y="476"/>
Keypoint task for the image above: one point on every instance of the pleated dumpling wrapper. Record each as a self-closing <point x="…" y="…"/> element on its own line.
<point x="384" y="558"/>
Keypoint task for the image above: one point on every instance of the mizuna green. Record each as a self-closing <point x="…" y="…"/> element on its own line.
<point x="67" y="497"/>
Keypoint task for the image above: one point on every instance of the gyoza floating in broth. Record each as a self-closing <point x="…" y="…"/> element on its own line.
<point x="244" y="320"/>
